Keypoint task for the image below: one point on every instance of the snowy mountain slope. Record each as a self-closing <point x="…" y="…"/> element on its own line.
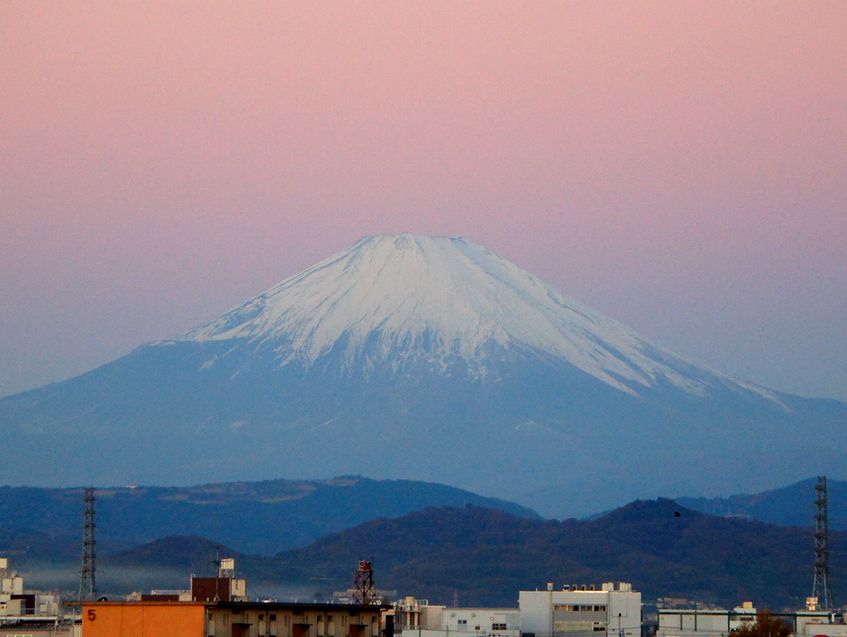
<point x="389" y="298"/>
<point x="421" y="358"/>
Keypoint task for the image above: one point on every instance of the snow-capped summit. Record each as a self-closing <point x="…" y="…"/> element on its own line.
<point x="389" y="298"/>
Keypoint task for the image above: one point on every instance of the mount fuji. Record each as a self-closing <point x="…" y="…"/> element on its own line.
<point x="425" y="358"/>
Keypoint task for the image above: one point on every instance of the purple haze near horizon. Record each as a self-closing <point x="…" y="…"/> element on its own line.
<point x="678" y="166"/>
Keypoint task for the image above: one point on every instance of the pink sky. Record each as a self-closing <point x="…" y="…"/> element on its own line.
<point x="677" y="165"/>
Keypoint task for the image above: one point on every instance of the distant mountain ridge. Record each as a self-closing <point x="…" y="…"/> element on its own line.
<point x="792" y="505"/>
<point x="253" y="517"/>
<point x="428" y="358"/>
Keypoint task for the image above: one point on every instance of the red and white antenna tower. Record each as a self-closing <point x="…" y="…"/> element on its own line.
<point x="363" y="584"/>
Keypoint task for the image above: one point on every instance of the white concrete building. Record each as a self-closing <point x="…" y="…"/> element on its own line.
<point x="613" y="611"/>
<point x="818" y="624"/>
<point x="25" y="612"/>
<point x="497" y="622"/>
<point x="703" y="623"/>
<point x="720" y="623"/>
<point x="418" y="618"/>
<point x="11" y="591"/>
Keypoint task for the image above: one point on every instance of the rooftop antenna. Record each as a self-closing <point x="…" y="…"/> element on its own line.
<point x="216" y="561"/>
<point x="820" y="587"/>
<point x="87" y="586"/>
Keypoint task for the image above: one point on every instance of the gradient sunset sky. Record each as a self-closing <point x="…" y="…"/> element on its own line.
<point x="680" y="166"/>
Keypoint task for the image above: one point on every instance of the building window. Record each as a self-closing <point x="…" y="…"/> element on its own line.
<point x="462" y="622"/>
<point x="498" y="626"/>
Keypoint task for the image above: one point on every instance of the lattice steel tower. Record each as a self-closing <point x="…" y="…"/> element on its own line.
<point x="820" y="587"/>
<point x="86" y="577"/>
<point x="364" y="591"/>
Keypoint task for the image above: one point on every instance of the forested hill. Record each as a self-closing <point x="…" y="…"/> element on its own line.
<point x="487" y="556"/>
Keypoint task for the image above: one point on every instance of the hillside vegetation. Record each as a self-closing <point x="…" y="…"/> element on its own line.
<point x="486" y="556"/>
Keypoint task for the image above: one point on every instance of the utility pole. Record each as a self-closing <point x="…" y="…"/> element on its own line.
<point x="87" y="586"/>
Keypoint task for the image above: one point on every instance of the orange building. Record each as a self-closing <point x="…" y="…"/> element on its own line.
<point x="230" y="619"/>
<point x="143" y="619"/>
